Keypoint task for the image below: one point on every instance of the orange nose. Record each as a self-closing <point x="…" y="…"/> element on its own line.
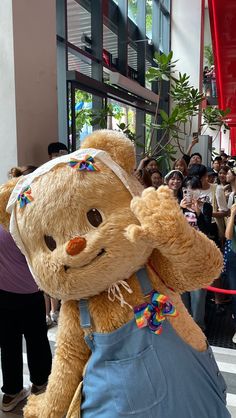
<point x="75" y="245"/>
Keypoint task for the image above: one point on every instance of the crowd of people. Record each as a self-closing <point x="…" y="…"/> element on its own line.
<point x="207" y="197"/>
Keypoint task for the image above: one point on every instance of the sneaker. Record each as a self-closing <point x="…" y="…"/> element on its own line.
<point x="48" y="320"/>
<point x="54" y="316"/>
<point x="9" y="402"/>
<point x="234" y="338"/>
<point x="36" y="390"/>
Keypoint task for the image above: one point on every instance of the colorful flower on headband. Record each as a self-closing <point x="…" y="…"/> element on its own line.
<point x="25" y="197"/>
<point x="154" y="313"/>
<point x="86" y="164"/>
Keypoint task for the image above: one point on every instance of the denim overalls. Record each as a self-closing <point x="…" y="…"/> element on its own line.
<point x="135" y="373"/>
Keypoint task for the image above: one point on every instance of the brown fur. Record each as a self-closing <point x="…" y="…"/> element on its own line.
<point x="134" y="232"/>
<point x="5" y="192"/>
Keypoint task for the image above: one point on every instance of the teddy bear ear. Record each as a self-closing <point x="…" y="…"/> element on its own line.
<point x="115" y="143"/>
<point x="5" y="193"/>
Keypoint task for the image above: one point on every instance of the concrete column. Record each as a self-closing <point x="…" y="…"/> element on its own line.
<point x="8" y="142"/>
<point x="28" y="83"/>
<point x="187" y="32"/>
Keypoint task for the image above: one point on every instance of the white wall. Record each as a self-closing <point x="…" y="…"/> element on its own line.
<point x="207" y="28"/>
<point x="28" y="82"/>
<point x="186" y="40"/>
<point x="8" y="142"/>
<point x="186" y="37"/>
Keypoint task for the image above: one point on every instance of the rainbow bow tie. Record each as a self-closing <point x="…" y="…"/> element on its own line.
<point x="154" y="313"/>
<point x="25" y="197"/>
<point x="86" y="164"/>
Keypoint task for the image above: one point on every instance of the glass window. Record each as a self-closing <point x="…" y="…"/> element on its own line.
<point x="83" y="110"/>
<point x="86" y="115"/>
<point x="148" y="84"/>
<point x="78" y="25"/>
<point x="123" y="115"/>
<point x="132" y="9"/>
<point x="132" y="58"/>
<point x="79" y="34"/>
<point x="110" y="47"/>
<point x="166" y="4"/>
<point x="149" y="18"/>
<point x="148" y="121"/>
<point x="76" y="63"/>
<point x="164" y="33"/>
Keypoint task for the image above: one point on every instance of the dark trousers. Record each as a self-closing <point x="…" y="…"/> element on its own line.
<point x="23" y="314"/>
<point x="231" y="276"/>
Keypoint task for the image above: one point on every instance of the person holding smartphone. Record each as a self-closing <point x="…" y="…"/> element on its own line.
<point x="198" y="213"/>
<point x="230" y="234"/>
<point x="192" y="158"/>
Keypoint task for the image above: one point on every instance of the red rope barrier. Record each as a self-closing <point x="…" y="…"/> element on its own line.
<point x="217" y="290"/>
<point x="210" y="288"/>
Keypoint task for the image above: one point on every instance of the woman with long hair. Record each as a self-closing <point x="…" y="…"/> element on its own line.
<point x="174" y="180"/>
<point x="146" y="167"/>
<point x="222" y="176"/>
<point x="181" y="165"/>
<point x="231" y="180"/>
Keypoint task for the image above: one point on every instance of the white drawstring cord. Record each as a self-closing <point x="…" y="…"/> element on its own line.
<point x="114" y="292"/>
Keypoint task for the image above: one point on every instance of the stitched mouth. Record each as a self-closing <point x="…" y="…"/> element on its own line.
<point x="100" y="254"/>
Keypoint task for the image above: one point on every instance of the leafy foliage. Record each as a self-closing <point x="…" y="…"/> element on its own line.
<point x="208" y="55"/>
<point x="164" y="67"/>
<point x="214" y="118"/>
<point x="88" y="116"/>
<point x="174" y="128"/>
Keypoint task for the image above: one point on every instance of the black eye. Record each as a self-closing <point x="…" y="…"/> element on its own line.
<point x="94" y="217"/>
<point x="50" y="242"/>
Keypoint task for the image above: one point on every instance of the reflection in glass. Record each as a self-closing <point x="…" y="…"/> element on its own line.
<point x="132" y="10"/>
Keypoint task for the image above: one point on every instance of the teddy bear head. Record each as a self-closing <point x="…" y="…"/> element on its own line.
<point x="70" y="217"/>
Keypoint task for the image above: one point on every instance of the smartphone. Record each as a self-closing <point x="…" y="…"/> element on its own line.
<point x="188" y="195"/>
<point x="195" y="135"/>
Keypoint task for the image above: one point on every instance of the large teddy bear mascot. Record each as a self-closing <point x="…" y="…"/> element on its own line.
<point x="118" y="258"/>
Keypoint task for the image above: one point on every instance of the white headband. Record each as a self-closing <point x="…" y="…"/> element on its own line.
<point x="129" y="181"/>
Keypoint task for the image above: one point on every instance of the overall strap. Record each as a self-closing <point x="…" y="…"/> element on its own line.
<point x="144" y="281"/>
<point x="85" y="320"/>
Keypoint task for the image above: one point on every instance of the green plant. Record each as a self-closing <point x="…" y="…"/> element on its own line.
<point x="129" y="133"/>
<point x="100" y="117"/>
<point x="88" y="116"/>
<point x="175" y="127"/>
<point x="208" y="55"/>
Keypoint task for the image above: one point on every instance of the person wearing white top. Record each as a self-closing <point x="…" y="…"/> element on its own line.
<point x="214" y="194"/>
<point x="231" y="179"/>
